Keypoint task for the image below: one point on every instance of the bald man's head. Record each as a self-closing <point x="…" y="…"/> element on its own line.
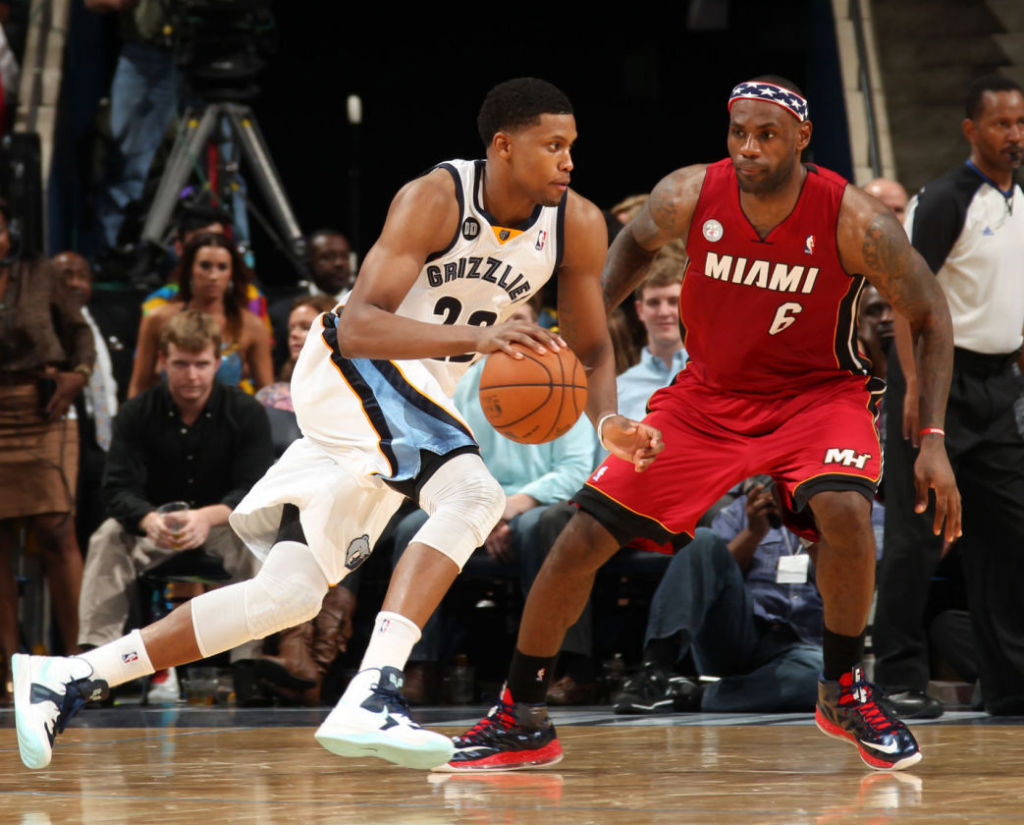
<point x="891" y="193"/>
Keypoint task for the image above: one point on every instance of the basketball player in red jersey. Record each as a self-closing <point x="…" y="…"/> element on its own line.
<point x="778" y="254"/>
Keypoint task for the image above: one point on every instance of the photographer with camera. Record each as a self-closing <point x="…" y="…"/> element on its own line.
<point x="741" y="599"/>
<point x="46" y="358"/>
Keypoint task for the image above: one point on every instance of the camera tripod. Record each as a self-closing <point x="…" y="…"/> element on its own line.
<point x="207" y="123"/>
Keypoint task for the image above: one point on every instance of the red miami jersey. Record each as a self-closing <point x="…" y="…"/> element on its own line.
<point x="769" y="316"/>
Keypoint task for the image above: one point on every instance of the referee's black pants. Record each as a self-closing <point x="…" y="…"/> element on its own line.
<point x="986" y="450"/>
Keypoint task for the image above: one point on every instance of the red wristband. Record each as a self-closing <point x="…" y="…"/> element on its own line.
<point x="932" y="431"/>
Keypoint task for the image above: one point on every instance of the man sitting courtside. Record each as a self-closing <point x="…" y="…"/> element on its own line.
<point x="741" y="599"/>
<point x="329" y="259"/>
<point x="188" y="439"/>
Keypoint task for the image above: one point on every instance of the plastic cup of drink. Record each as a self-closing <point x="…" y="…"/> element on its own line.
<point x="171" y="513"/>
<point x="201" y="685"/>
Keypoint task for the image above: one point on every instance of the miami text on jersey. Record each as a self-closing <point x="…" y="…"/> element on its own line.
<point x="761" y="274"/>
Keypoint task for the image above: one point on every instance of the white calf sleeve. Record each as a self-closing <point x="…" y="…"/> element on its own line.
<point x="464" y="502"/>
<point x="287" y="591"/>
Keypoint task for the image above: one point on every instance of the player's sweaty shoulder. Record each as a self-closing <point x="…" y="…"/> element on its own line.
<point x="428" y="207"/>
<point x="583" y="217"/>
<point x="586" y="235"/>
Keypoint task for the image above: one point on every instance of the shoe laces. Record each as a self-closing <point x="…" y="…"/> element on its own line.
<point x="76" y="695"/>
<point x="499" y="719"/>
<point x="870" y="710"/>
<point x="392" y="699"/>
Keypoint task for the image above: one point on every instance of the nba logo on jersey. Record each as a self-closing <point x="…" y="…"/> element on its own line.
<point x="600" y="472"/>
<point x="809" y="245"/>
<point x="542" y="238"/>
<point x="470" y="228"/>
<point x="130" y="656"/>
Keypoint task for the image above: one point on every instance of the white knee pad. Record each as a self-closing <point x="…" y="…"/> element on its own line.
<point x="464" y="502"/>
<point x="288" y="590"/>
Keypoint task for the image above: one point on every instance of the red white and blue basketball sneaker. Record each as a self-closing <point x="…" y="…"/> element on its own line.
<point x="512" y="736"/>
<point x="848" y="710"/>
<point x="380" y="725"/>
<point x="48" y="691"/>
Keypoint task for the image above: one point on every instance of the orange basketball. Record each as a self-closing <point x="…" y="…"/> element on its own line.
<point x="536" y="399"/>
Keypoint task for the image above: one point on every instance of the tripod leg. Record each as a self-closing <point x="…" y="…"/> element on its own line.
<point x="188" y="151"/>
<point x="257" y="156"/>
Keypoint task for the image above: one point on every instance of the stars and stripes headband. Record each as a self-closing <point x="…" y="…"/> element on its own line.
<point x="771" y="93"/>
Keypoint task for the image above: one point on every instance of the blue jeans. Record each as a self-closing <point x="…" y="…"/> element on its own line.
<point x="144" y="97"/>
<point x="702" y="599"/>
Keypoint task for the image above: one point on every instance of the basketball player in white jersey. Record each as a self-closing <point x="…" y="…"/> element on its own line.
<point x="462" y="245"/>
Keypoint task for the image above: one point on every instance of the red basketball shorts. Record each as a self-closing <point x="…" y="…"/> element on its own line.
<point x="822" y="439"/>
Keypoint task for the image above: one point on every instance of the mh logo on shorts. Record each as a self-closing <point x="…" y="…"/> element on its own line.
<point x="358" y="551"/>
<point x="846" y="457"/>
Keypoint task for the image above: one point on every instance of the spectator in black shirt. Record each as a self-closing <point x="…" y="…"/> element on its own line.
<point x="190" y="439"/>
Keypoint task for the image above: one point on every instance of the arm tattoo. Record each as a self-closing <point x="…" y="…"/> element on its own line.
<point x="890" y="263"/>
<point x="664" y="211"/>
<point x="878" y="249"/>
<point x="903" y="277"/>
<point x="625" y="265"/>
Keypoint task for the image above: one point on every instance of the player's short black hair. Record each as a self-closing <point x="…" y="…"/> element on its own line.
<point x="988" y="83"/>
<point x="779" y="80"/>
<point x="519" y="102"/>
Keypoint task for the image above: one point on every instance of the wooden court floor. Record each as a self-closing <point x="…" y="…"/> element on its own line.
<point x="211" y="767"/>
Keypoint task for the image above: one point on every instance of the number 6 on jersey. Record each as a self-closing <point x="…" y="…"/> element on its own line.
<point x="785" y="315"/>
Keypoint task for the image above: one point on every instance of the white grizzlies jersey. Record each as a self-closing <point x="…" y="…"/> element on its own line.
<point x="386" y="414"/>
<point x="487" y="269"/>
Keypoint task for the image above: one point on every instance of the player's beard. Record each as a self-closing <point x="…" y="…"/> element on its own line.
<point x="770" y="182"/>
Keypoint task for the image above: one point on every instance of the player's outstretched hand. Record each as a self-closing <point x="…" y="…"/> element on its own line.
<point x="933" y="472"/>
<point x="503" y="336"/>
<point x="633" y="441"/>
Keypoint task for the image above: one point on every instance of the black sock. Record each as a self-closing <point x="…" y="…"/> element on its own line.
<point x="529" y="677"/>
<point x="841" y="653"/>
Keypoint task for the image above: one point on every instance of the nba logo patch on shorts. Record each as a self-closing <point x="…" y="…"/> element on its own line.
<point x="130" y="656"/>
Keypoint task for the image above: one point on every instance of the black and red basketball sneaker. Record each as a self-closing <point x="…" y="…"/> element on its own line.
<point x="847" y="709"/>
<point x="512" y="736"/>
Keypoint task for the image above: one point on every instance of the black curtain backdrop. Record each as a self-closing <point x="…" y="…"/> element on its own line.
<point x="649" y="95"/>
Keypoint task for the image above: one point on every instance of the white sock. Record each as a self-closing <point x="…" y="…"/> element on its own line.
<point x="120" y="661"/>
<point x="391" y="643"/>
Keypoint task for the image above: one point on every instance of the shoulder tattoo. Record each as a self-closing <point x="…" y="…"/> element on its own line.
<point x="885" y="251"/>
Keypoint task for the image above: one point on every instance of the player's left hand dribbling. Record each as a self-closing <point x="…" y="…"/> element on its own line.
<point x="633" y="441"/>
<point x="503" y="336"/>
<point x="932" y="471"/>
